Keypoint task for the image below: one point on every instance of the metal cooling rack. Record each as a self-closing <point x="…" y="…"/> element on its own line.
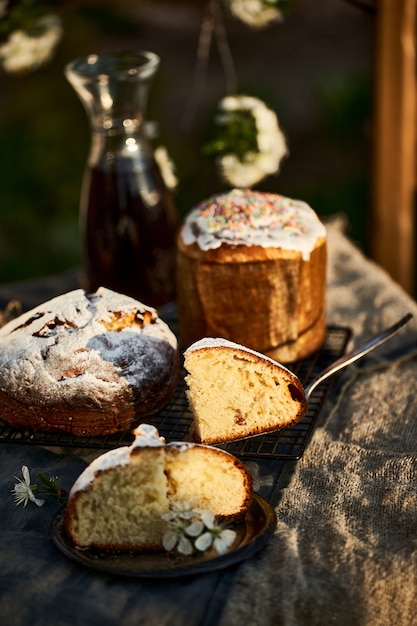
<point x="175" y="420"/>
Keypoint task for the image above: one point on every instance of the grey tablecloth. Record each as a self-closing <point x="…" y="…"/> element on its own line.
<point x="345" y="547"/>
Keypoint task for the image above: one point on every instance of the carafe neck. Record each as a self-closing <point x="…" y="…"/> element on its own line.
<point x="113" y="90"/>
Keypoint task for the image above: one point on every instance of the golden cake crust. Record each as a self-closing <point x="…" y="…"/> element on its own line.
<point x="269" y="299"/>
<point x="251" y="267"/>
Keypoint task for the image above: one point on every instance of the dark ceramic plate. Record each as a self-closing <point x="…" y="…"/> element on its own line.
<point x="252" y="535"/>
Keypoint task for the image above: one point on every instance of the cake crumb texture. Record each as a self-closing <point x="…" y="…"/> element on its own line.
<point x="117" y="503"/>
<point x="235" y="392"/>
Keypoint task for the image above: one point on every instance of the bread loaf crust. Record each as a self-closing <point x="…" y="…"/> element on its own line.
<point x="269" y="299"/>
<point x="86" y="364"/>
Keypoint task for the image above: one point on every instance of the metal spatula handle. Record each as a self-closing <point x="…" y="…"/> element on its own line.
<point x="357" y="354"/>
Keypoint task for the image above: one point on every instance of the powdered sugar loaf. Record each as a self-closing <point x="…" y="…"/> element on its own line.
<point x="86" y="363"/>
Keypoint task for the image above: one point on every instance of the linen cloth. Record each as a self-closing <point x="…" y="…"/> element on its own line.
<point x="345" y="547"/>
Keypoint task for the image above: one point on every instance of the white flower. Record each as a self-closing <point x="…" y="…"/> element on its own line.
<point x="183" y="524"/>
<point x="166" y="167"/>
<point x="256" y="13"/>
<point x="186" y="525"/>
<point x="272" y="147"/>
<point x="172" y="539"/>
<point x="238" y="102"/>
<point x="238" y="173"/>
<point x="182" y="511"/>
<point x="23" y="490"/>
<point x="221" y="538"/>
<point x="25" y="51"/>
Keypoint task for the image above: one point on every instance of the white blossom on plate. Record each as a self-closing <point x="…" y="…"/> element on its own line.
<point x="221" y="538"/>
<point x="24" y="51"/>
<point x="195" y="529"/>
<point x="182" y="525"/>
<point x="23" y="490"/>
<point x="174" y="539"/>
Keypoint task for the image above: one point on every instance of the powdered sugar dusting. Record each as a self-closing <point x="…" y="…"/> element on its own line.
<point x="146" y="436"/>
<point x="64" y="352"/>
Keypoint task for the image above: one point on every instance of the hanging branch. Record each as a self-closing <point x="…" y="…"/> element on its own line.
<point x="200" y="70"/>
<point x="212" y="24"/>
<point x="223" y="46"/>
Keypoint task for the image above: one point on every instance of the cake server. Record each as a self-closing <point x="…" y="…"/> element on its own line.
<point x="358" y="353"/>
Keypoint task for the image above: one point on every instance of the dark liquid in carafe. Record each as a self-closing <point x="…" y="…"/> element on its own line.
<point x="129" y="233"/>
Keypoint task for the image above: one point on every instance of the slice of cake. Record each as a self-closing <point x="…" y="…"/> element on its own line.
<point x="235" y="392"/>
<point x="117" y="503"/>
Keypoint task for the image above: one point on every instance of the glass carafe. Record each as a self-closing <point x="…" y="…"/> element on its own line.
<point x="128" y="219"/>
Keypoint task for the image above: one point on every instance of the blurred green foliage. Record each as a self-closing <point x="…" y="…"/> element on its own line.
<point x="345" y="113"/>
<point x="44" y="142"/>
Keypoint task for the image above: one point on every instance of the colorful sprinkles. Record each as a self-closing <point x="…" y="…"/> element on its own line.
<point x="244" y="216"/>
<point x="235" y="212"/>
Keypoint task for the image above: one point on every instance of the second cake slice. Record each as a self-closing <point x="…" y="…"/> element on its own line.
<point x="235" y="392"/>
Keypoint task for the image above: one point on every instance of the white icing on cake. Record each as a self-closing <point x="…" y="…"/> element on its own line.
<point x="118" y="457"/>
<point x="253" y="218"/>
<point x="146" y="436"/>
